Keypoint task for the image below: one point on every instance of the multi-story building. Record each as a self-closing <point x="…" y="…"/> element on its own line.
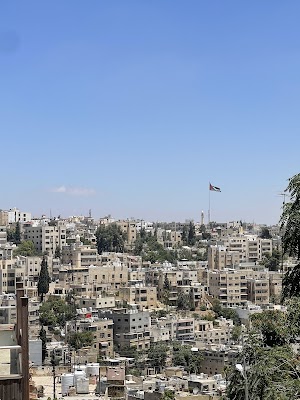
<point x="258" y="288"/>
<point x="102" y="330"/>
<point x="249" y="247"/>
<point x="210" y="332"/>
<point x="181" y="329"/>
<point x="216" y="359"/>
<point x="144" y="296"/>
<point x="79" y="255"/>
<point x="129" y="228"/>
<point x="275" y="285"/>
<point x="131" y="328"/>
<point x="98" y="303"/>
<point x="46" y="238"/>
<point x="3" y="235"/>
<point x="3" y="218"/>
<point x="219" y="257"/>
<point x="229" y="286"/>
<point x="15" y="215"/>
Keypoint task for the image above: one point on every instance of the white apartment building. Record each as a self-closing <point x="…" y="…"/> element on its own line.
<point x="15" y="215"/>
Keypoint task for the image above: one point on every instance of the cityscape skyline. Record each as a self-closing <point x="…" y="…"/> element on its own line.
<point x="132" y="108"/>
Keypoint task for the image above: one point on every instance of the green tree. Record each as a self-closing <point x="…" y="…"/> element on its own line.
<point x="57" y="253"/>
<point x="168" y="395"/>
<point x="183" y="302"/>
<point x="17" y="235"/>
<point x="184" y="235"/>
<point x="265" y="233"/>
<point x="272" y="366"/>
<point x="26" y="248"/>
<point x="128" y="351"/>
<point x="236" y="333"/>
<point x="290" y="228"/>
<point x="44" y="279"/>
<point x="272" y="261"/>
<point x="110" y="238"/>
<point x="272" y="326"/>
<point x="191" y="234"/>
<point x="272" y="373"/>
<point x="157" y="355"/>
<point x="56" y="312"/>
<point x="185" y="357"/>
<point x="77" y="340"/>
<point x="43" y="337"/>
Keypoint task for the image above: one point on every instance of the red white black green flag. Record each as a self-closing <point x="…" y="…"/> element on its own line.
<point x="214" y="188"/>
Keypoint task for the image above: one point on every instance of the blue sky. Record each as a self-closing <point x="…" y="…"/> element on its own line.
<point x="131" y="107"/>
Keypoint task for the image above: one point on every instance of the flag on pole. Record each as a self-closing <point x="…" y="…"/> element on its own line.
<point x="214" y="188"/>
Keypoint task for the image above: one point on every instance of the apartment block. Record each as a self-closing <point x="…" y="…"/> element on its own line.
<point x="219" y="257"/>
<point x="3" y="235"/>
<point x="15" y="215"/>
<point x="229" y="286"/>
<point x="250" y="247"/>
<point x="144" y="296"/>
<point x="46" y="238"/>
<point x="209" y="332"/>
<point x="258" y="288"/>
<point x="129" y="228"/>
<point x="131" y="328"/>
<point x="102" y="330"/>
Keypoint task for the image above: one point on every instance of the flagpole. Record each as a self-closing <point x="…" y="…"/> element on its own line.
<point x="209" y="203"/>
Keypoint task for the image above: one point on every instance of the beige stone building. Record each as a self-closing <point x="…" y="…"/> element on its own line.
<point x="79" y="255"/>
<point x="250" y="247"/>
<point x="209" y="332"/>
<point x="3" y="218"/>
<point x="46" y="238"/>
<point x="229" y="286"/>
<point x="129" y="228"/>
<point x="275" y="284"/>
<point x="216" y="359"/>
<point x="219" y="257"/>
<point x="144" y="296"/>
<point x="102" y="330"/>
<point x="258" y="288"/>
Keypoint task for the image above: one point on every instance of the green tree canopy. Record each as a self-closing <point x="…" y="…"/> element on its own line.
<point x="44" y="279"/>
<point x="26" y="248"/>
<point x="110" y="238"/>
<point x="185" y="357"/>
<point x="77" y="340"/>
<point x="56" y="312"/>
<point x="157" y="355"/>
<point x="272" y="373"/>
<point x="191" y="234"/>
<point x="265" y="233"/>
<point x="290" y="228"/>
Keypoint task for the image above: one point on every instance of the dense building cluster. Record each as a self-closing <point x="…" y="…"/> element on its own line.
<point x="118" y="293"/>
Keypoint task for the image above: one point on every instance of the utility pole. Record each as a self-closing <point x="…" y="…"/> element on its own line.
<point x="53" y="362"/>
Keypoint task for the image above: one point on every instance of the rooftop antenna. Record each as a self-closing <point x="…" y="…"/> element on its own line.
<point x="50" y="213"/>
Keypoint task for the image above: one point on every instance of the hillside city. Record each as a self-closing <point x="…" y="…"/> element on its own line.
<point x="135" y="309"/>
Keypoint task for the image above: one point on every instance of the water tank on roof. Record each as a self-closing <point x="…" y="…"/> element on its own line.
<point x="67" y="381"/>
<point x="92" y="369"/>
<point x="82" y="386"/>
<point x="79" y="373"/>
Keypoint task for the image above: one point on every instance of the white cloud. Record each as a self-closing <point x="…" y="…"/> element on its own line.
<point x="73" y="191"/>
